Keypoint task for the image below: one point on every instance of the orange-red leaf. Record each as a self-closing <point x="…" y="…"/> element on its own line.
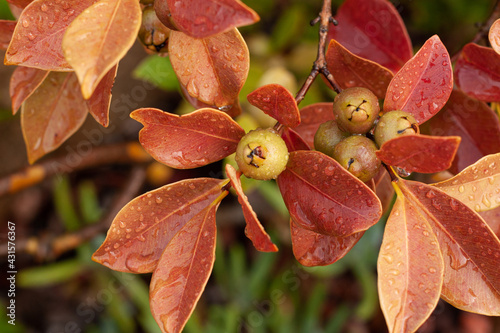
<point x="146" y="225"/>
<point x="212" y="69"/>
<point x="351" y="70"/>
<point x="313" y="249"/>
<point x="183" y="271"/>
<point x="311" y="117"/>
<point x="37" y="38"/>
<point x="189" y="141"/>
<point x="492" y="218"/>
<point x="277" y="102"/>
<point x="201" y="19"/>
<point x="20" y="3"/>
<point x="52" y="114"/>
<point x="23" y="82"/>
<point x="6" y="31"/>
<point x="494" y="36"/>
<point x="293" y="140"/>
<point x="410" y="268"/>
<point x="254" y="229"/>
<point x="424" y="84"/>
<point x="99" y="37"/>
<point x="101" y="98"/>
<point x="323" y="197"/>
<point x="420" y="153"/>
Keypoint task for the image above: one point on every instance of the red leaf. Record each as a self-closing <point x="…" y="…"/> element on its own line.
<point x="477" y="72"/>
<point x="183" y="271"/>
<point x="323" y="197"/>
<point x="384" y="189"/>
<point x="254" y="229"/>
<point x="424" y="84"/>
<point x="419" y="153"/>
<point x="6" y="31"/>
<point x="293" y="140"/>
<point x="313" y="249"/>
<point x="201" y="19"/>
<point x="101" y="98"/>
<point x="474" y="122"/>
<point x="494" y="36"/>
<point x="277" y="102"/>
<point x="20" y="3"/>
<point x="373" y="30"/>
<point x="189" y="141"/>
<point x="492" y="218"/>
<point x="23" y="82"/>
<point x="311" y="117"/>
<point x="232" y="110"/>
<point x="350" y="70"/>
<point x="146" y="225"/>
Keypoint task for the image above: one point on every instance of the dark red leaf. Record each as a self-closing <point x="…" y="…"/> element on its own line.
<point x="23" y="82"/>
<point x="311" y="117"/>
<point x="424" y="84"/>
<point x="351" y="70"/>
<point x="323" y="197"/>
<point x="477" y="72"/>
<point x="189" y="141"/>
<point x="101" y="98"/>
<point x="254" y="229"/>
<point x="420" y="153"/>
<point x="373" y="30"/>
<point x="6" y="31"/>
<point x="293" y="140"/>
<point x="20" y="3"/>
<point x="277" y="102"/>
<point x="146" y="225"/>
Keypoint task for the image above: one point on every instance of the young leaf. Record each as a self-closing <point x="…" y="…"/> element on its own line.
<point x="473" y="121"/>
<point x="6" y="31"/>
<point x="254" y="229"/>
<point x="470" y="249"/>
<point x="420" y="153"/>
<point x="494" y="36"/>
<point x="313" y="249"/>
<point x="477" y="186"/>
<point x="52" y="114"/>
<point x="293" y="140"/>
<point x="277" y="102"/>
<point x="101" y="98"/>
<point x="424" y="84"/>
<point x="351" y="70"/>
<point x="189" y="141"/>
<point x="311" y="117"/>
<point x="146" y="225"/>
<point x="37" y="38"/>
<point x="23" y="82"/>
<point x="373" y="30"/>
<point x="99" y="37"/>
<point x="183" y="271"/>
<point x="477" y="72"/>
<point x="323" y="197"/>
<point x="212" y="69"/>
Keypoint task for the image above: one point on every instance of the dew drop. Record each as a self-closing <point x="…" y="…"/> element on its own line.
<point x="158" y="200"/>
<point x="461" y="189"/>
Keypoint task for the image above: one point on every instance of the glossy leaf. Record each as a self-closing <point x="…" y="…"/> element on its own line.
<point x="351" y="70"/>
<point x="373" y="30"/>
<point x="201" y="19"/>
<point x="100" y="100"/>
<point x="323" y="197"/>
<point x="477" y="186"/>
<point x="410" y="268"/>
<point x="189" y="141"/>
<point x="23" y="82"/>
<point x="470" y="249"/>
<point x="232" y="110"/>
<point x="37" y="38"/>
<point x="311" y="117"/>
<point x="99" y="37"/>
<point x="313" y="249"/>
<point x="293" y="140"/>
<point x="419" y="153"/>
<point x="424" y="84"/>
<point x="212" y="69"/>
<point x="183" y="271"/>
<point x="474" y="122"/>
<point x="477" y="72"/>
<point x="277" y="102"/>
<point x="147" y="224"/>
<point x="6" y="31"/>
<point x="254" y="229"/>
<point x="52" y="114"/>
<point x="494" y="36"/>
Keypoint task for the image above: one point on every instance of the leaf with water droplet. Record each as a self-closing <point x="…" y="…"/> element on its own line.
<point x="53" y="112"/>
<point x="254" y="229"/>
<point x="424" y="84"/>
<point x="150" y="228"/>
<point x="477" y="72"/>
<point x="100" y="100"/>
<point x="100" y="37"/>
<point x="174" y="140"/>
<point x="409" y="268"/>
<point x="277" y="102"/>
<point x="494" y="36"/>
<point x="183" y="271"/>
<point x="351" y="70"/>
<point x="311" y="117"/>
<point x="419" y="153"/>
<point x="6" y="31"/>
<point x="323" y="197"/>
<point x="213" y="69"/>
<point x="23" y="82"/>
